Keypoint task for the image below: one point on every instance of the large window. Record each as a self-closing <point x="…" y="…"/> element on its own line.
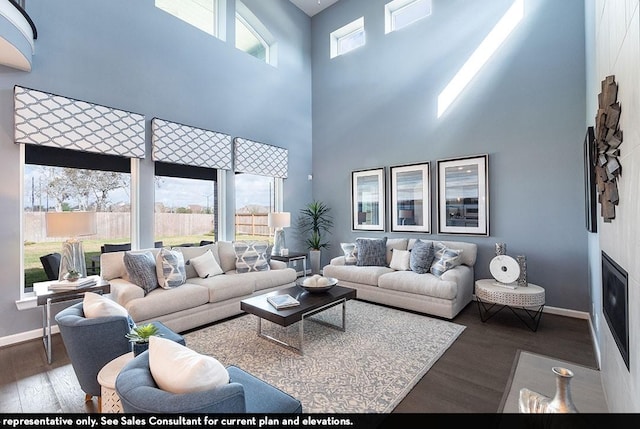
<point x="253" y="37"/>
<point x="400" y="13"/>
<point x="64" y="180"/>
<point x="347" y="38"/>
<point x="255" y="198"/>
<point x="185" y="204"/>
<point x="202" y="14"/>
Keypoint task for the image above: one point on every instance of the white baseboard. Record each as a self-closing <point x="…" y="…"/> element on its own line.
<point x="563" y="312"/>
<point x="21" y="337"/>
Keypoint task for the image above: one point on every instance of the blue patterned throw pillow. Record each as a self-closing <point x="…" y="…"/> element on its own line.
<point x="141" y="268"/>
<point x="349" y="250"/>
<point x="371" y="252"/>
<point x="421" y="259"/>
<point x="251" y="256"/>
<point x="170" y="268"/>
<point x="445" y="259"/>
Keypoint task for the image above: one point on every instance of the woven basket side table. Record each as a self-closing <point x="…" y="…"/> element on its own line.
<point x="109" y="399"/>
<point x="528" y="299"/>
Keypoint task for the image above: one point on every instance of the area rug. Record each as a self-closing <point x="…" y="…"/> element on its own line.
<point x="369" y="368"/>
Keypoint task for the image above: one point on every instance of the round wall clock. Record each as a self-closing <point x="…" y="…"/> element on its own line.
<point x="505" y="269"/>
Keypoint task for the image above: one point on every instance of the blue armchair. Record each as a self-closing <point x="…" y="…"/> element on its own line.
<point x="244" y="393"/>
<point x="91" y="343"/>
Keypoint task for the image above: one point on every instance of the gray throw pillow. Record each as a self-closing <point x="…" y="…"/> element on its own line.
<point x="422" y="254"/>
<point x="372" y="252"/>
<point x="141" y="268"/>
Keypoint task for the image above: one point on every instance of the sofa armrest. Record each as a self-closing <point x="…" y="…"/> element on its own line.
<point x="123" y="291"/>
<point x="277" y="265"/>
<point x="338" y="260"/>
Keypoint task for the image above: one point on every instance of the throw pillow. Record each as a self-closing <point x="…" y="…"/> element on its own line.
<point x="206" y="265"/>
<point x="372" y="252"/>
<point x="141" y="268"/>
<point x="445" y="259"/>
<point x="170" y="268"/>
<point x="178" y="369"/>
<point x="251" y="256"/>
<point x="96" y="305"/>
<point x="349" y="250"/>
<point x="400" y="260"/>
<point x="421" y="259"/>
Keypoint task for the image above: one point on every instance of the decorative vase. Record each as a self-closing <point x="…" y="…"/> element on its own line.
<point x="522" y="278"/>
<point x="501" y="249"/>
<point x="533" y="402"/>
<point x="139" y="348"/>
<point x="314" y="261"/>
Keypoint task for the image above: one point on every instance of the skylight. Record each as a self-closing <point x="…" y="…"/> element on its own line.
<point x="481" y="55"/>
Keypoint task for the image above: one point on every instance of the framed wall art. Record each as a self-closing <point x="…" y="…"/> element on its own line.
<point x="463" y="195"/>
<point x="410" y="198"/>
<point x="368" y="199"/>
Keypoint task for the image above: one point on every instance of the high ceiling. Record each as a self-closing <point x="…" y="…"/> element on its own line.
<point x="311" y="7"/>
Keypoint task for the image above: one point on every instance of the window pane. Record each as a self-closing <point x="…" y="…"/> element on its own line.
<point x="199" y="13"/>
<point x="247" y="41"/>
<point x="350" y="41"/>
<point x="185" y="210"/>
<point x="50" y="188"/>
<point x="254" y="201"/>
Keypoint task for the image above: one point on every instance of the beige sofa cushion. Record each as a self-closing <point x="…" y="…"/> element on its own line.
<point x="421" y="284"/>
<point x="226" y="286"/>
<point x="160" y="302"/>
<point x="356" y="274"/>
<point x="193" y="252"/>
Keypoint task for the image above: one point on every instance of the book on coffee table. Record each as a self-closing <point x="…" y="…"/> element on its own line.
<point x="282" y="301"/>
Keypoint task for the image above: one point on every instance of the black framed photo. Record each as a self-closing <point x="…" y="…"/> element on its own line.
<point x="368" y="199"/>
<point x="590" y="194"/>
<point x="463" y="195"/>
<point x="411" y="198"/>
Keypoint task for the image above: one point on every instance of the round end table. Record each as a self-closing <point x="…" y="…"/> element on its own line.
<point x="530" y="299"/>
<point x="109" y="399"/>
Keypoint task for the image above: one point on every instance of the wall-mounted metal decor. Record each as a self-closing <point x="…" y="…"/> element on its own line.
<point x="182" y="144"/>
<point x="590" y="195"/>
<point x="368" y="200"/>
<point x="410" y="198"/>
<point x="55" y="121"/>
<point x="259" y="158"/>
<point x="608" y="138"/>
<point x="463" y="195"/>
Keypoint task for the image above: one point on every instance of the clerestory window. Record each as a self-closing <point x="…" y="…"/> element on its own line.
<point x="253" y="37"/>
<point x="401" y="13"/>
<point x="347" y="38"/>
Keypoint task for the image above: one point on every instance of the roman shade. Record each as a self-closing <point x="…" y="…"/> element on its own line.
<point x="182" y="144"/>
<point x="55" y="121"/>
<point x="261" y="159"/>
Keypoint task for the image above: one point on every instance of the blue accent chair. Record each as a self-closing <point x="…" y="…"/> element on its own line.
<point x="245" y="393"/>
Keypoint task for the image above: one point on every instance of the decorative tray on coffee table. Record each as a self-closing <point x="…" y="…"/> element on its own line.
<point x="313" y="287"/>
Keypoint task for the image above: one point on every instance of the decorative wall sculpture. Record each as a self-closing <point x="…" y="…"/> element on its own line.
<point x="608" y="138"/>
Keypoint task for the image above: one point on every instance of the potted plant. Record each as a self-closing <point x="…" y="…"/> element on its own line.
<point x="313" y="222"/>
<point x="139" y="337"/>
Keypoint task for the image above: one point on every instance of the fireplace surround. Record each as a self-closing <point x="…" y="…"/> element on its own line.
<point x="615" y="306"/>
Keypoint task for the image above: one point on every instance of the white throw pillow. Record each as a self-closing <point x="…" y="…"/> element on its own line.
<point x="96" y="305"/>
<point x="400" y="260"/>
<point x="178" y="369"/>
<point x="206" y="265"/>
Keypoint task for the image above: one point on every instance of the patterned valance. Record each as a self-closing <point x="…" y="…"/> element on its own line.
<point x="55" y="121"/>
<point x="259" y="158"/>
<point x="182" y="144"/>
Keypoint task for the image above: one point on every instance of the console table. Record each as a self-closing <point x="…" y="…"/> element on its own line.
<point x="46" y="297"/>
<point x="527" y="299"/>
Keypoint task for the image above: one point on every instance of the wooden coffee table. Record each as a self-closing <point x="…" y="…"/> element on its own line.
<point x="310" y="304"/>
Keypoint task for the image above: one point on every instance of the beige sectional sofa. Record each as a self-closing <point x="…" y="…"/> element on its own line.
<point x="199" y="300"/>
<point x="443" y="296"/>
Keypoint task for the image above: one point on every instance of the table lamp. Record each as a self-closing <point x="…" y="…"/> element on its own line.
<point x="279" y="221"/>
<point x="71" y="225"/>
<point x="405" y="214"/>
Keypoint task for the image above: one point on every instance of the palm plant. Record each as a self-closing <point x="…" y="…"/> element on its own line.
<point x="313" y="222"/>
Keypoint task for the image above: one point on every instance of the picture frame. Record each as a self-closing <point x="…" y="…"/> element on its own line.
<point x="410" y="205"/>
<point x="463" y="195"/>
<point x="590" y="194"/>
<point x="368" y="199"/>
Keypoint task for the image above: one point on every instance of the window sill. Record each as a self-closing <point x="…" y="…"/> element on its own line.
<point x="27" y="302"/>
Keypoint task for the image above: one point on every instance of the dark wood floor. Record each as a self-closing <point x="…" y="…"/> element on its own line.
<point x="470" y="377"/>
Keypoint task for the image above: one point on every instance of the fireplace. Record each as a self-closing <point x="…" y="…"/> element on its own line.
<point x="615" y="306"/>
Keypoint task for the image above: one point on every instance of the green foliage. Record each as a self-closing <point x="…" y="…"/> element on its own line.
<point x="141" y="334"/>
<point x="313" y="222"/>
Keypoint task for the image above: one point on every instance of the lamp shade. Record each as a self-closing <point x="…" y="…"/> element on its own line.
<point x="279" y="219"/>
<point x="70" y="224"/>
<point x="405" y="214"/>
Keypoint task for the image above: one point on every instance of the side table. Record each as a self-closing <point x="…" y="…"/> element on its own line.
<point x="109" y="399"/>
<point x="46" y="297"/>
<point x="293" y="256"/>
<point x="530" y="299"/>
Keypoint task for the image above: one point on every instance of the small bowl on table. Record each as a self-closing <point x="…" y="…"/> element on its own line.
<point x="317" y="289"/>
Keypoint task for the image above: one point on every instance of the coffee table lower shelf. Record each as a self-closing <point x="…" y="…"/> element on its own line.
<point x="310" y="304"/>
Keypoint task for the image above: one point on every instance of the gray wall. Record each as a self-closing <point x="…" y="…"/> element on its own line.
<point x="132" y="56"/>
<point x="376" y="106"/>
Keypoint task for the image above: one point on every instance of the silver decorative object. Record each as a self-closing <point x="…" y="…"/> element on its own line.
<point x="533" y="402"/>
<point x="522" y="262"/>
<point x="501" y="249"/>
